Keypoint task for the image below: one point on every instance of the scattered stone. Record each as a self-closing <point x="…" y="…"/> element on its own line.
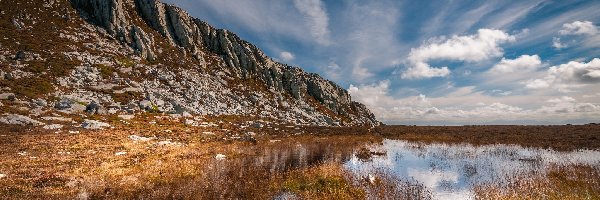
<point x="120" y="153"/>
<point x="69" y="106"/>
<point x="7" y="96"/>
<point x="2" y="176"/>
<point x="60" y="119"/>
<point x="140" y="138"/>
<point x="63" y="104"/>
<point x="126" y="117"/>
<point x="74" y="132"/>
<point x="168" y="143"/>
<point x="146" y="105"/>
<point x="40" y="102"/>
<point x="95" y="108"/>
<point x="191" y="122"/>
<point x="19" y="120"/>
<point x="257" y="125"/>
<point x="186" y="114"/>
<point x="19" y="25"/>
<point x="220" y="156"/>
<point x="94" y="124"/>
<point x="53" y="126"/>
<point x="22" y="153"/>
<point x="22" y="55"/>
<point x="286" y="195"/>
<point x="372" y="179"/>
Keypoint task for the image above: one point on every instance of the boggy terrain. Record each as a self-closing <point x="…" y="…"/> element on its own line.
<point x="564" y="137"/>
<point x="158" y="157"/>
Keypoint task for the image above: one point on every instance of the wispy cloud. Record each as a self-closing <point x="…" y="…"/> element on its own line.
<point x="316" y="16"/>
<point x="496" y="59"/>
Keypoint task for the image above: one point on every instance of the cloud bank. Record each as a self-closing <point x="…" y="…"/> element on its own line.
<point x="470" y="48"/>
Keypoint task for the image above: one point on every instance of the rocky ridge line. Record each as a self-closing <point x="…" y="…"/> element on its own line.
<point x="122" y="57"/>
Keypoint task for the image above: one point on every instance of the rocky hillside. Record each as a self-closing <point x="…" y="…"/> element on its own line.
<point x="126" y="57"/>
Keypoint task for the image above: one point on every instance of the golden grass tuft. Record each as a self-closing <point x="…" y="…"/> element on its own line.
<point x="561" y="182"/>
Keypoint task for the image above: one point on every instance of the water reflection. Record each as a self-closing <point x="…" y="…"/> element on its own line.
<point x="279" y="158"/>
<point x="451" y="171"/>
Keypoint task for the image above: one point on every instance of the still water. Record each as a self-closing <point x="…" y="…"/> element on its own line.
<point x="450" y="171"/>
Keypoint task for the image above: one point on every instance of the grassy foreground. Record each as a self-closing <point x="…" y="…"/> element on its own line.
<point x="168" y="160"/>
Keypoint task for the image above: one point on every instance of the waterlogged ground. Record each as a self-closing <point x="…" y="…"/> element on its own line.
<point x="454" y="171"/>
<point x="165" y="161"/>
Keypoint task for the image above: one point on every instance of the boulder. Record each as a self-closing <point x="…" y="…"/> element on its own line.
<point x="96" y="108"/>
<point x="24" y="56"/>
<point x="69" y="106"/>
<point x="7" y="96"/>
<point x="94" y="124"/>
<point x="63" y="104"/>
<point x="19" y="120"/>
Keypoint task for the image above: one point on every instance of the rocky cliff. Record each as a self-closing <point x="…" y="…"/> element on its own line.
<point x="103" y="57"/>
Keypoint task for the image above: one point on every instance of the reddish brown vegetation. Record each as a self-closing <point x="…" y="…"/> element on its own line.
<point x="556" y="137"/>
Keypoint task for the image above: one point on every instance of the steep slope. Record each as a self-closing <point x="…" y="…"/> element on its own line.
<point x="128" y="56"/>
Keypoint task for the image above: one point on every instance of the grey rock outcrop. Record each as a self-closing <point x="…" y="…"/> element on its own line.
<point x="124" y="57"/>
<point x="242" y="59"/>
<point x="19" y="120"/>
<point x="112" y="16"/>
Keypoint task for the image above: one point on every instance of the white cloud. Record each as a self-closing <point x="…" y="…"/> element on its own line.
<point x="361" y="73"/>
<point x="473" y="48"/>
<point x="423" y="70"/>
<point x="557" y="44"/>
<point x="286" y="56"/>
<point x="524" y="63"/>
<point x="537" y="84"/>
<point x="579" y="28"/>
<point x="566" y="76"/>
<point x="588" y="33"/>
<point x="469" y="48"/>
<point x="562" y="99"/>
<point x="566" y="104"/>
<point x="466" y="106"/>
<point x="317" y="19"/>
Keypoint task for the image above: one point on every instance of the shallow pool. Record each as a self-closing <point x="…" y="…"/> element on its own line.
<point x="452" y="171"/>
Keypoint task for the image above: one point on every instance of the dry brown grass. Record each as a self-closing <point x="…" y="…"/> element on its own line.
<point x="562" y="138"/>
<point x="326" y="181"/>
<point x="65" y="166"/>
<point x="561" y="182"/>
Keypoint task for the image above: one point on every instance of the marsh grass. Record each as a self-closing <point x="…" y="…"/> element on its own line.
<point x="560" y="182"/>
<point x="88" y="165"/>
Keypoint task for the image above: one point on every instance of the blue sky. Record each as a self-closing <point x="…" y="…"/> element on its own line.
<point x="435" y="62"/>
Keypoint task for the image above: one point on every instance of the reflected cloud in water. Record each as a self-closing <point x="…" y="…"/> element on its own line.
<point x="451" y="171"/>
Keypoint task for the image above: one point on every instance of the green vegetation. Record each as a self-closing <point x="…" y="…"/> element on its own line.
<point x="125" y="62"/>
<point x="326" y="181"/>
<point x="29" y="87"/>
<point x="105" y="71"/>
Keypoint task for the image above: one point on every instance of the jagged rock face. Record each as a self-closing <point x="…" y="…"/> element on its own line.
<point x="246" y="59"/>
<point x="142" y="55"/>
<point x="107" y="14"/>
